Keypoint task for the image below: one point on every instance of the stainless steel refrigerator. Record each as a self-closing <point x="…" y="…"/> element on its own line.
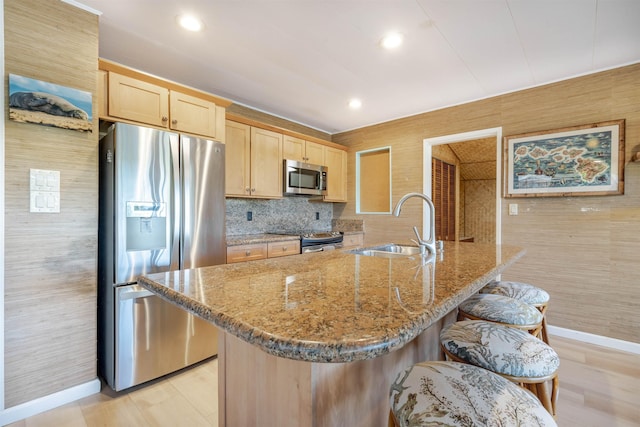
<point x="162" y="208"/>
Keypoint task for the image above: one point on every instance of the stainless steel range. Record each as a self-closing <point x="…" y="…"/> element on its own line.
<point x="320" y="241"/>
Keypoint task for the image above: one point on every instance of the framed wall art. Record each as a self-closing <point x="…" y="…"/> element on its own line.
<point x="586" y="160"/>
<point x="49" y="104"/>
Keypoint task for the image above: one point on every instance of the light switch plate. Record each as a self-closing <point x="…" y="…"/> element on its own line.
<point x="44" y="188"/>
<point x="44" y="180"/>
<point x="513" y="209"/>
<point x="45" y="201"/>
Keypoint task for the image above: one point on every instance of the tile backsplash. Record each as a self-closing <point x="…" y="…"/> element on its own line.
<point x="278" y="215"/>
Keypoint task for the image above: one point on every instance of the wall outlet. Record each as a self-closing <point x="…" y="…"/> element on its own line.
<point x="513" y="209"/>
<point x="249" y="216"/>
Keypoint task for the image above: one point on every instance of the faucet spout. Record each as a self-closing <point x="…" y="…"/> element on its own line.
<point x="430" y="243"/>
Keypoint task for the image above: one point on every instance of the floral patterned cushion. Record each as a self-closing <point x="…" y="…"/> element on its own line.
<point x="498" y="308"/>
<point x="500" y="349"/>
<point x="457" y="394"/>
<point x="518" y="290"/>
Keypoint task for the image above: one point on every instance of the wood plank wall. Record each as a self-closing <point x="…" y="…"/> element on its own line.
<point x="50" y="262"/>
<point x="583" y="250"/>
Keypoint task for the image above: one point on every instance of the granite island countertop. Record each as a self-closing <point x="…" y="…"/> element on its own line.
<point x="333" y="306"/>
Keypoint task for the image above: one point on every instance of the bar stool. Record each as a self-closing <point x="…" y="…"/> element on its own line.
<point x="532" y="295"/>
<point x="457" y="394"/>
<point x="501" y="309"/>
<point x="512" y="353"/>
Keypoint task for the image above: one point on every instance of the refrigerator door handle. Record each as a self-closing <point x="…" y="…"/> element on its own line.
<point x="176" y="202"/>
<point x="187" y="174"/>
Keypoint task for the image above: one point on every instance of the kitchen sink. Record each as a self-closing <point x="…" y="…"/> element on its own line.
<point x="389" y="250"/>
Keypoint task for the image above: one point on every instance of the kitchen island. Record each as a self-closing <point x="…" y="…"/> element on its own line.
<point x="316" y="339"/>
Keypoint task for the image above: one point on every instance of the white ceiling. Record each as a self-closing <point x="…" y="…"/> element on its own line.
<point x="304" y="59"/>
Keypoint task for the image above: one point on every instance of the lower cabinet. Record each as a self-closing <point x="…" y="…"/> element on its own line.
<point x="276" y="249"/>
<point x="252" y="252"/>
<point x="246" y="252"/>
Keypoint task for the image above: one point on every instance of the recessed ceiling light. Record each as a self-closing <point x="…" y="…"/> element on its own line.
<point x="392" y="40"/>
<point x="190" y="22"/>
<point x="355" y="104"/>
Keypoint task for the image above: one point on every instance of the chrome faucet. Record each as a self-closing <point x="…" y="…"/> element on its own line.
<point x="429" y="244"/>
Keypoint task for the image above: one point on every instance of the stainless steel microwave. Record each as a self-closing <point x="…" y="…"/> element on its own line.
<point x="304" y="179"/>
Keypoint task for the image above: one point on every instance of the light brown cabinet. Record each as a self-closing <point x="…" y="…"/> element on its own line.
<point x="194" y="115"/>
<point x="250" y="142"/>
<point x="336" y="162"/>
<point x="333" y="158"/>
<point x="277" y="249"/>
<point x="244" y="253"/>
<point x="237" y="159"/>
<point x="253" y="161"/>
<point x="303" y="151"/>
<point x="257" y="251"/>
<point x="140" y="101"/>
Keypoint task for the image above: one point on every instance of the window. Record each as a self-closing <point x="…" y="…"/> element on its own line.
<point x="373" y="181"/>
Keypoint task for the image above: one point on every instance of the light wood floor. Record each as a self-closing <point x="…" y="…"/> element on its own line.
<point x="598" y="387"/>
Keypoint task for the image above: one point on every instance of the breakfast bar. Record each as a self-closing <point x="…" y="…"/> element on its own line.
<point x="316" y="339"/>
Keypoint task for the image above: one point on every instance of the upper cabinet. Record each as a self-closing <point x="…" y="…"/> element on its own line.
<point x="238" y="159"/>
<point x="336" y="162"/>
<point x="138" y="101"/>
<point x="255" y="153"/>
<point x="136" y="97"/>
<point x="266" y="163"/>
<point x="253" y="165"/>
<point x="303" y="151"/>
<point x="335" y="159"/>
<point x="194" y="115"/>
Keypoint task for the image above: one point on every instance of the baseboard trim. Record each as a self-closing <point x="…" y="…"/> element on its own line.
<point x="613" y="343"/>
<point x="45" y="403"/>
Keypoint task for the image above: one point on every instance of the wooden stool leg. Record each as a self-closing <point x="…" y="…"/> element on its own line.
<point x="555" y="387"/>
<point x="392" y="420"/>
<point x="548" y="400"/>
<point x="543" y="395"/>
<point x="543" y="331"/>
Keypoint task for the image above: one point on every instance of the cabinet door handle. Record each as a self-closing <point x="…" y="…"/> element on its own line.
<point x="284" y="249"/>
<point x="253" y="190"/>
<point x="247" y="253"/>
<point x="174" y="122"/>
<point x="246" y="190"/>
<point x="165" y="118"/>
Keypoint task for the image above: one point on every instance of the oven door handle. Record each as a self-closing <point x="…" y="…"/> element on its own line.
<point x="321" y="249"/>
<point x="308" y="251"/>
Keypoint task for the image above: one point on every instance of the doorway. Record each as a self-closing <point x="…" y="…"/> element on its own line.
<point x="467" y="142"/>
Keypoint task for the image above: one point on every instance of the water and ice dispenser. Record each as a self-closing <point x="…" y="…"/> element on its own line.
<point x="146" y="226"/>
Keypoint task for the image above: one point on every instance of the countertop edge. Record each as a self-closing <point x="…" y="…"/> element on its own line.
<point x="249" y="239"/>
<point x="328" y="351"/>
